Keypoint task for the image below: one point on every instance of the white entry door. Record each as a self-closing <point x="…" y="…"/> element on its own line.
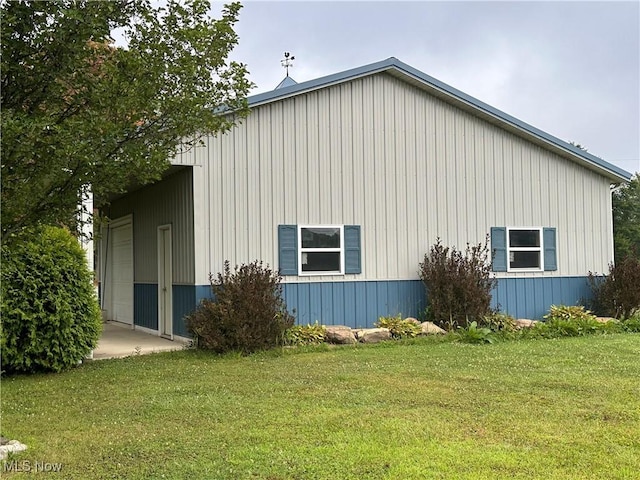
<point x="121" y="272"/>
<point x="165" y="275"/>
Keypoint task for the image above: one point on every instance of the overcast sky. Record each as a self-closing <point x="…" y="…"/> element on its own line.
<point x="571" y="69"/>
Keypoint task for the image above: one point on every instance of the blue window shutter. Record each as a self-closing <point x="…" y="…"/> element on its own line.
<point x="288" y="249"/>
<point x="352" y="256"/>
<point x="549" y="239"/>
<point x="499" y="249"/>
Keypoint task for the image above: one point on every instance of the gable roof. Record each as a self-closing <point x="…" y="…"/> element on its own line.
<point x="401" y="70"/>
<point x="286" y="82"/>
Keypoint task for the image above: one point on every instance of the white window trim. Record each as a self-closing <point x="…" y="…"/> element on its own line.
<point x="539" y="249"/>
<point x="301" y="250"/>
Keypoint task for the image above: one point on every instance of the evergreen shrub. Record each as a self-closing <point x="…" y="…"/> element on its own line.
<point x="51" y="318"/>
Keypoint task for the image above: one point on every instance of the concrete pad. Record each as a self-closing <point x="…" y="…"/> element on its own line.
<point x="119" y="340"/>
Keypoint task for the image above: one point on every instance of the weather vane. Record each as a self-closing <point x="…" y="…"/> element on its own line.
<point x="287" y="62"/>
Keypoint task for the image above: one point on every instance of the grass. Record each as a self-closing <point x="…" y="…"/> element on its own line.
<point x="547" y="409"/>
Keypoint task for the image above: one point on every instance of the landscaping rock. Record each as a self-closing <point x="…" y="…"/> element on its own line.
<point x="415" y="321"/>
<point x="430" y="328"/>
<point x="374" y="335"/>
<point x="605" y="319"/>
<point x="339" y="334"/>
<point x="525" y="323"/>
<point x="12" y="446"/>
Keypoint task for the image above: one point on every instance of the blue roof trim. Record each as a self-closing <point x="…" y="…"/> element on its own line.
<point x="393" y="63"/>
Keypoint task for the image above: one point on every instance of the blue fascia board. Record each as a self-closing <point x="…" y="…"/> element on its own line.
<point x="612" y="171"/>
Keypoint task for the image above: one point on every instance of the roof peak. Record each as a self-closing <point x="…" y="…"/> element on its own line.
<point x="286" y="82"/>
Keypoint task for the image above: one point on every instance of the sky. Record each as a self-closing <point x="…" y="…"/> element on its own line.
<point x="571" y="69"/>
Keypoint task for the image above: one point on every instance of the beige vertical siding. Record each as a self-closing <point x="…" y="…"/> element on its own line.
<point x="166" y="202"/>
<point x="405" y="165"/>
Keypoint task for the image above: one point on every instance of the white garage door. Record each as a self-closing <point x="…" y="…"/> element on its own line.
<point x="122" y="273"/>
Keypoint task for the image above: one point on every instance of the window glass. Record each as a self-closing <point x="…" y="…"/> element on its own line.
<point x="320" y="238"/>
<point x="321" y="261"/>
<point x="524" y="238"/>
<point x="524" y="259"/>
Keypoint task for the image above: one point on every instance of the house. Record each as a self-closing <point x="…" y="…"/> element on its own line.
<point x="343" y="183"/>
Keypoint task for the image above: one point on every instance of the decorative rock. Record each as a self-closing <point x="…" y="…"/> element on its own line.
<point x="525" y="323"/>
<point x="430" y="328"/>
<point x="605" y="319"/>
<point x="12" y="446"/>
<point x="374" y="335"/>
<point x="415" y="321"/>
<point x="340" y="335"/>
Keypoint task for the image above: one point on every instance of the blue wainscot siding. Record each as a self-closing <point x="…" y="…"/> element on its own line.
<point x="532" y="297"/>
<point x="355" y="304"/>
<point x="185" y="300"/>
<point x="145" y="305"/>
<point x="360" y="304"/>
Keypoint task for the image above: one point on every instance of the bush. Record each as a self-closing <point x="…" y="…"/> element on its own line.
<point x="499" y="322"/>
<point x="51" y="318"/>
<point x="299" y="335"/>
<point x="247" y="312"/>
<point x="458" y="284"/>
<point x="632" y="322"/>
<point x="569" y="313"/>
<point x="570" y="321"/>
<point x="398" y="327"/>
<point x="617" y="294"/>
<point x="559" y="327"/>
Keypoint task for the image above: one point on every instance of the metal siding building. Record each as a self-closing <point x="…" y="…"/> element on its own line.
<point x="408" y="160"/>
<point x="168" y="202"/>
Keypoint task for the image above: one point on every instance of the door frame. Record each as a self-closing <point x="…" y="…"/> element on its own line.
<point x="165" y="272"/>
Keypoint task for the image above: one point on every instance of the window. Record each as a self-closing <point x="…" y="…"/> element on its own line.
<point x="523" y="249"/>
<point x="319" y="250"/>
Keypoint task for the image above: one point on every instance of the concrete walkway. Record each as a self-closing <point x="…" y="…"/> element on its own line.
<point x="119" y="340"/>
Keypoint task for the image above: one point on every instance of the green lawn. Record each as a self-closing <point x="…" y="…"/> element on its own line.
<point x="546" y="409"/>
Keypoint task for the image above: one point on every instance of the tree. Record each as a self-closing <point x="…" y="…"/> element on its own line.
<point x="77" y="110"/>
<point x="626" y="219"/>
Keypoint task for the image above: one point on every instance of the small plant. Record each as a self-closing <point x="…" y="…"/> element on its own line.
<point x="247" y="312"/>
<point x="499" y="322"/>
<point x="398" y="327"/>
<point x="556" y="328"/>
<point x="569" y="313"/>
<point x="458" y="283"/>
<point x="618" y="293"/>
<point x="632" y="322"/>
<point x="475" y="334"/>
<point x="298" y="335"/>
<point x="570" y="321"/>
